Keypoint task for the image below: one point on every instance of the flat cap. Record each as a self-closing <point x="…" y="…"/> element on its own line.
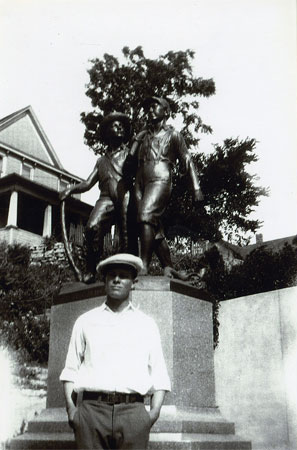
<point x="159" y="100"/>
<point x="121" y="259"/>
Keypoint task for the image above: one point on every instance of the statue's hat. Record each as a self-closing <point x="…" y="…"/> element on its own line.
<point x="107" y="120"/>
<point x="159" y="100"/>
<point x="123" y="260"/>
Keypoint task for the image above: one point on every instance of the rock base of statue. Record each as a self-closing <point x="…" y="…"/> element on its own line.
<point x="190" y="417"/>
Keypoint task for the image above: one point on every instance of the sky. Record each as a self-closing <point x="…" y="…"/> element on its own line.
<point x="247" y="46"/>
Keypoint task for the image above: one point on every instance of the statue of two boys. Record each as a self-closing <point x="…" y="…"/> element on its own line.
<point x="137" y="179"/>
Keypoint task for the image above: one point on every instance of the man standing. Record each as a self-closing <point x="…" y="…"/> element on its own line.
<point x="157" y="148"/>
<point x="115" y="358"/>
<point x="113" y="181"/>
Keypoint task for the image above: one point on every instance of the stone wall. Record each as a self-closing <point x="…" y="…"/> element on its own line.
<point x="55" y="255"/>
<point x="256" y="367"/>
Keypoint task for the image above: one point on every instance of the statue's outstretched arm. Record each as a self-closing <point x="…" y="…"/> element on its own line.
<point x="84" y="186"/>
<point x="75" y="189"/>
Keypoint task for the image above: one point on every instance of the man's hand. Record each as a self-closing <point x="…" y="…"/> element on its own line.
<point x="71" y="413"/>
<point x="71" y="398"/>
<point x="156" y="404"/>
<point x="154" y="415"/>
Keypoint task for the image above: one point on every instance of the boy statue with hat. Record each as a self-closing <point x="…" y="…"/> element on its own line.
<point x="157" y="148"/>
<point x="114" y="359"/>
<point x="112" y="205"/>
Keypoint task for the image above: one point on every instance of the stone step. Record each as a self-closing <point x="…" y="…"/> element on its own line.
<point x="205" y="420"/>
<point x="42" y="441"/>
<point x="158" y="441"/>
<point x="193" y="429"/>
<point x="196" y="441"/>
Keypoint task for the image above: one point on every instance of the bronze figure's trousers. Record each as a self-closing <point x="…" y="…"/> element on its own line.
<point x="104" y="214"/>
<point x="152" y="200"/>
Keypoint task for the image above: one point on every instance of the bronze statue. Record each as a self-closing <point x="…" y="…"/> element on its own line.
<point x="157" y="148"/>
<point x="112" y="205"/>
<point x="150" y="160"/>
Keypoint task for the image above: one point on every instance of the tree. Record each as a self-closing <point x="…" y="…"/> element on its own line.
<point x="263" y="270"/>
<point x="124" y="87"/>
<point x="230" y="192"/>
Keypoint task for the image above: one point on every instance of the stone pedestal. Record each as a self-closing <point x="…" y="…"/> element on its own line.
<point x="190" y="419"/>
<point x="184" y="317"/>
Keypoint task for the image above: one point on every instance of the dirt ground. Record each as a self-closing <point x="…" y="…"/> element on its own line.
<point x="21" y="398"/>
<point x="27" y="403"/>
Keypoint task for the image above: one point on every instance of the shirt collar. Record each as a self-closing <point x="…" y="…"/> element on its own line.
<point x="129" y="307"/>
<point x="164" y="127"/>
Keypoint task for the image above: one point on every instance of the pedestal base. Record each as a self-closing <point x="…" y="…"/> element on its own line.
<point x="190" y="429"/>
<point x="189" y="419"/>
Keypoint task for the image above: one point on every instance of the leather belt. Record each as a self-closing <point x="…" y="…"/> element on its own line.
<point x="112" y="397"/>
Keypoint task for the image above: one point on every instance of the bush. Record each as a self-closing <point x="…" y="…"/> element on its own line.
<point x="26" y="294"/>
<point x="28" y="335"/>
<point x="263" y="270"/>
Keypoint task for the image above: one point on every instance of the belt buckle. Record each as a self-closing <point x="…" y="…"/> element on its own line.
<point x="113" y="398"/>
<point x="110" y="398"/>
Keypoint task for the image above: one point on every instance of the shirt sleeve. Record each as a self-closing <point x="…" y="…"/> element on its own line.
<point x="157" y="363"/>
<point x="186" y="163"/>
<point x="75" y="354"/>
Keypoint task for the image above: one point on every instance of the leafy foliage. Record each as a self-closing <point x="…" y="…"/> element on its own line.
<point x="28" y="335"/>
<point x="26" y="292"/>
<point x="123" y="87"/>
<point x="262" y="270"/>
<point x="229" y="191"/>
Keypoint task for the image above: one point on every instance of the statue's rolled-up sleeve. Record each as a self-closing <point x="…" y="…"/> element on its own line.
<point x="186" y="163"/>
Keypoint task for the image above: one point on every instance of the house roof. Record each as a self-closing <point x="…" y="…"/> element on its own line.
<point x="242" y="252"/>
<point x="22" y="131"/>
<point x="274" y="245"/>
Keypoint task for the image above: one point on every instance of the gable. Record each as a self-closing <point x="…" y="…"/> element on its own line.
<point x="274" y="245"/>
<point x="22" y="132"/>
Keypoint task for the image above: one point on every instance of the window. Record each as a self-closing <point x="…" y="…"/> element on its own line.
<point x="27" y="171"/>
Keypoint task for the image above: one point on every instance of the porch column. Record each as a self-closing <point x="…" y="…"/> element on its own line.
<point x="47" y="222"/>
<point x="12" y="219"/>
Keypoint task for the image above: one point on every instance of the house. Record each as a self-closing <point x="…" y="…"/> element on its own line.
<point x="31" y="177"/>
<point x="274" y="245"/>
<point x="234" y="254"/>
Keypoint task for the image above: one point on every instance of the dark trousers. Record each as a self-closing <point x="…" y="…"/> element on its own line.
<point x="99" y="425"/>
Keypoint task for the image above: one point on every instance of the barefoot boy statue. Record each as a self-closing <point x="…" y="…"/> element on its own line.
<point x="112" y="205"/>
<point x="157" y="148"/>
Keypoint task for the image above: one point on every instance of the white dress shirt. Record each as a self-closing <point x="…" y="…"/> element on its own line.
<point x="116" y="352"/>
